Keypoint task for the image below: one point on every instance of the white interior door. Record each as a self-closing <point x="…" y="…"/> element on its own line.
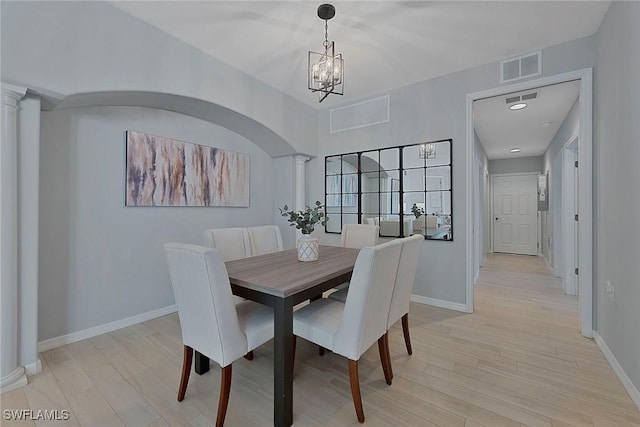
<point x="515" y="214"/>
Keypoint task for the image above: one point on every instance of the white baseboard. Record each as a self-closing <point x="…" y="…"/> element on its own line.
<point x="439" y="303"/>
<point x="103" y="329"/>
<point x="14" y="380"/>
<point x="33" y="368"/>
<point x="622" y="375"/>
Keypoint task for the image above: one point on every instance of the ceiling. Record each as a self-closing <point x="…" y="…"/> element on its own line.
<point x="386" y="44"/>
<point x="531" y="129"/>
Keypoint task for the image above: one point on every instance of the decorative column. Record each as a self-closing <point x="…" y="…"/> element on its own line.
<point x="11" y="375"/>
<point x="300" y="189"/>
<point x="300" y="181"/>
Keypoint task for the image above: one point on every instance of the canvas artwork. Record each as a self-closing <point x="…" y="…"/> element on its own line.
<point x="167" y="172"/>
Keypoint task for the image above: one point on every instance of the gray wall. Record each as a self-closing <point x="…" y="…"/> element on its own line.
<point x="516" y="165"/>
<point x="431" y="110"/>
<point x="617" y="198"/>
<point x="101" y="261"/>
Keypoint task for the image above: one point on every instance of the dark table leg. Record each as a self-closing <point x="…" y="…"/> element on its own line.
<point x="202" y="363"/>
<point x="283" y="363"/>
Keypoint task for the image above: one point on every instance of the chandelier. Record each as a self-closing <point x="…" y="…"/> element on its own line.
<point x="427" y="151"/>
<point x="326" y="70"/>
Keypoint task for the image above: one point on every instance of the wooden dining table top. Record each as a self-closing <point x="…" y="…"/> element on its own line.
<point x="281" y="274"/>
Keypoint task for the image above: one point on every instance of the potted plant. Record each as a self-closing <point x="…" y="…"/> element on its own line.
<point x="305" y="221"/>
<point x="417" y="211"/>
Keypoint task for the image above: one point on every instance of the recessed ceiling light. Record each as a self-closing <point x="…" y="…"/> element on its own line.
<point x="518" y="106"/>
<point x="546" y="124"/>
<point x="514" y="150"/>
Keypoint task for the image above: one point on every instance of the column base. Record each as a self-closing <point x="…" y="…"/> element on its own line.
<point x="33" y="368"/>
<point x="14" y="380"/>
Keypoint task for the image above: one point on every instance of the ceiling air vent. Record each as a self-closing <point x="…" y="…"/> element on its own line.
<point x="525" y="97"/>
<point x="521" y="67"/>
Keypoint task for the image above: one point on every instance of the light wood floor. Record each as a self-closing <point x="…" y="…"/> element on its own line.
<point x="518" y="360"/>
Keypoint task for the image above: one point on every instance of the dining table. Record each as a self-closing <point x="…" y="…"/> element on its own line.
<point x="280" y="281"/>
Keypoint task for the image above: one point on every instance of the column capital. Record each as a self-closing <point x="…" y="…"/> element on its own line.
<point x="12" y="94"/>
<point x="301" y="159"/>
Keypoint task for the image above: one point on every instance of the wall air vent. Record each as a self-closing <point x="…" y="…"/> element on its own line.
<point x="366" y="113"/>
<point x="513" y="99"/>
<point x="528" y="96"/>
<point x="521" y="67"/>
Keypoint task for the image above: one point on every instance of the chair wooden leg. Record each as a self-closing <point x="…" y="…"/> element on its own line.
<point x="405" y="331"/>
<point x="386" y="348"/>
<point x="225" y="389"/>
<point x="186" y="370"/>
<point x="355" y="389"/>
<point x="249" y="355"/>
<point x="384" y="358"/>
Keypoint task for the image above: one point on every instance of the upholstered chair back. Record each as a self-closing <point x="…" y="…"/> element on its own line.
<point x="264" y="239"/>
<point x="409" y="258"/>
<point x="207" y="312"/>
<point x="359" y="235"/>
<point x="232" y="243"/>
<point x="369" y="298"/>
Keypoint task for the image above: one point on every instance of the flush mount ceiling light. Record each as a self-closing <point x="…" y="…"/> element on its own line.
<point x="326" y="70"/>
<point x="427" y="151"/>
<point x="514" y="150"/>
<point x="518" y="106"/>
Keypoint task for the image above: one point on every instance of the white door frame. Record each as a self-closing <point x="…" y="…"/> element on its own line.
<point x="568" y="212"/>
<point x="558" y="254"/>
<point x="491" y="187"/>
<point x="585" y="176"/>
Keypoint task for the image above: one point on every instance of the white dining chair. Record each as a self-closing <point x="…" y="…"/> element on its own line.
<point x="359" y="235"/>
<point x="232" y="243"/>
<point x="399" y="309"/>
<point x="350" y="328"/>
<point x="209" y="320"/>
<point x="355" y="236"/>
<point x="264" y="239"/>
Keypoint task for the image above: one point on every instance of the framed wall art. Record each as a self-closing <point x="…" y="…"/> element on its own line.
<point x="166" y="172"/>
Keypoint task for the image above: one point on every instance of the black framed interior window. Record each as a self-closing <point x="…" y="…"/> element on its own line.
<point x="404" y="190"/>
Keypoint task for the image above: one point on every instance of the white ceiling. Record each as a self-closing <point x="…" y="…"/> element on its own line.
<point x="386" y="44"/>
<point x="501" y="129"/>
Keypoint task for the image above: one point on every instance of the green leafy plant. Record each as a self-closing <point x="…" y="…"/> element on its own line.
<point x="306" y="221"/>
<point x="416" y="210"/>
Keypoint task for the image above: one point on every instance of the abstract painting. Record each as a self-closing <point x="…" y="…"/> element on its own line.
<point x="167" y="172"/>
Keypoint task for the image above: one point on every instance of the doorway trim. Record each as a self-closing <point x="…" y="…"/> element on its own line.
<point x="585" y="175"/>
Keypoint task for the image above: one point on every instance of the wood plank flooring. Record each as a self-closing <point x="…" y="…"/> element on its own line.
<point x="518" y="360"/>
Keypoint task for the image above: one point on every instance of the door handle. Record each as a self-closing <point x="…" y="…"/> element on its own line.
<point x="497" y="219"/>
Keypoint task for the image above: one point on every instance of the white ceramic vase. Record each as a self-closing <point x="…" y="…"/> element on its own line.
<point x="308" y="248"/>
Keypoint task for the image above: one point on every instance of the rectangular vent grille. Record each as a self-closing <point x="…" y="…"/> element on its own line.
<point x="521" y="67"/>
<point x="525" y="97"/>
<point x="366" y="113"/>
